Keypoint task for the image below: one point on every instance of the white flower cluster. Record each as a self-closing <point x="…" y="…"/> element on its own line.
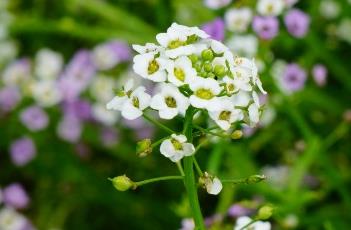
<point x="192" y="70"/>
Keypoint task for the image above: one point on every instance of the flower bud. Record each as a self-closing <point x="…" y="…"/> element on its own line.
<point x="208" y="67"/>
<point x="193" y="58"/>
<point x="255" y="179"/>
<point x="265" y="212"/>
<point x="237" y="134"/>
<point x="144" y="148"/>
<point x="198" y="66"/>
<point x="212" y="184"/>
<point x="122" y="183"/>
<point x="210" y="75"/>
<point x="207" y="54"/>
<point x="219" y="70"/>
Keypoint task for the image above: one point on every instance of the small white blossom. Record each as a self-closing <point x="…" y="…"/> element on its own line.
<point x="244" y="45"/>
<point x="46" y="93"/>
<point x="216" y="4"/>
<point x="48" y="64"/>
<point x="136" y="103"/>
<point x="101" y="88"/>
<point x="150" y="67"/>
<point x="212" y="184"/>
<point x="238" y="20"/>
<point x="270" y="7"/>
<point x="226" y="114"/>
<point x="205" y="92"/>
<point x="180" y="71"/>
<point x="169" y="102"/>
<point x="122" y="96"/>
<point x="12" y="220"/>
<point x="176" y="148"/>
<point x="258" y="225"/>
<point x="101" y="114"/>
<point x="147" y="48"/>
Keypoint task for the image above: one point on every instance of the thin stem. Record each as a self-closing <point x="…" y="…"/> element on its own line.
<point x="180" y="168"/>
<point x="210" y="132"/>
<point x="247" y="225"/>
<point x="197" y="166"/>
<point x="189" y="178"/>
<point x="140" y="183"/>
<point x="155" y="122"/>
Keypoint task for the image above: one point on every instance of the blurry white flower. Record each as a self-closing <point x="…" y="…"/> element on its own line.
<point x="258" y="225"/>
<point x="180" y="71"/>
<point x="205" y="92"/>
<point x="225" y="115"/>
<point x="343" y="30"/>
<point x="46" y="93"/>
<point x="122" y="96"/>
<point x="147" y="48"/>
<point x="329" y="9"/>
<point x="48" y="64"/>
<point x="216" y="4"/>
<point x="254" y="113"/>
<point x="101" y="114"/>
<point x="101" y="88"/>
<point x="243" y="45"/>
<point x="169" y="102"/>
<point x="238" y="20"/>
<point x="12" y="220"/>
<point x="176" y="147"/>
<point x="270" y="7"/>
<point x="17" y="73"/>
<point x="150" y="67"/>
<point x="187" y="224"/>
<point x="8" y="51"/>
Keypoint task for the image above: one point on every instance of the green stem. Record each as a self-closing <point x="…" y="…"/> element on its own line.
<point x="189" y="178"/>
<point x="180" y="168"/>
<point x="140" y="183"/>
<point x="155" y="122"/>
<point x="197" y="166"/>
<point x="210" y="132"/>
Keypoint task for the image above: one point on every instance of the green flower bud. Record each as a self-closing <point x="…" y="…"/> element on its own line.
<point x="265" y="212"/>
<point x="122" y="183"/>
<point x="211" y="75"/>
<point x="144" y="148"/>
<point x="255" y="179"/>
<point x="198" y="66"/>
<point x="207" y="54"/>
<point x="208" y="67"/>
<point x="193" y="58"/>
<point x="203" y="74"/>
<point x="237" y="134"/>
<point x="219" y="70"/>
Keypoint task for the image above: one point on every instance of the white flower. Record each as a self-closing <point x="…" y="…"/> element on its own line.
<point x="106" y="117"/>
<point x="122" y="96"/>
<point x="238" y="20"/>
<point x="46" y="93"/>
<point x="212" y="184"/>
<point x="176" y="147"/>
<point x="169" y="102"/>
<point x="254" y="113"/>
<point x="147" y="48"/>
<point x="258" y="225"/>
<point x="219" y="47"/>
<point x="226" y="114"/>
<point x="270" y="7"/>
<point x="17" y="73"/>
<point x="136" y="103"/>
<point x="181" y="72"/>
<point x="11" y="220"/>
<point x="216" y="4"/>
<point x="101" y="88"/>
<point x="205" y="92"/>
<point x="244" y="45"/>
<point x="150" y="67"/>
<point x="48" y="64"/>
<point x="329" y="9"/>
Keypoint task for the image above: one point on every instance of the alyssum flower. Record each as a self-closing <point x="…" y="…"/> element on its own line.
<point x="192" y="74"/>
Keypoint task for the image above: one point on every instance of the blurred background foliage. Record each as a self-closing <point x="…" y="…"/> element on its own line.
<point x="310" y="134"/>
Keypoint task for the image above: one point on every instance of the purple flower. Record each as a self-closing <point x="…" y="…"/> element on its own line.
<point x="319" y="73"/>
<point x="215" y="29"/>
<point x="109" y="54"/>
<point x="77" y="75"/>
<point x="79" y="108"/>
<point x="266" y="27"/>
<point x="9" y="98"/>
<point x="69" y="128"/>
<point x="34" y="118"/>
<point x="297" y="22"/>
<point x="237" y="210"/>
<point x="22" y="151"/>
<point x="15" y="196"/>
<point x="293" y="78"/>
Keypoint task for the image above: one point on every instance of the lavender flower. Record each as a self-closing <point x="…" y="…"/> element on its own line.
<point x="79" y="108"/>
<point x="319" y="73"/>
<point x="34" y="118"/>
<point x="22" y="151"/>
<point x="293" y="78"/>
<point x="9" y="98"/>
<point x="237" y="210"/>
<point x="297" y="22"/>
<point x="15" y="196"/>
<point x="215" y="29"/>
<point x="109" y="137"/>
<point x="108" y="55"/>
<point x="266" y="27"/>
<point x="70" y="128"/>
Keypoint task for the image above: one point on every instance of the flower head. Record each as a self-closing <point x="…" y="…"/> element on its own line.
<point x="293" y="78"/>
<point x="319" y="73"/>
<point x="270" y="7"/>
<point x="212" y="184"/>
<point x="297" y="22"/>
<point x="22" y="151"/>
<point x="15" y="196"/>
<point x="238" y="20"/>
<point x="258" y="225"/>
<point x="266" y="27"/>
<point x="34" y="118"/>
<point x="215" y="29"/>
<point x="176" y="147"/>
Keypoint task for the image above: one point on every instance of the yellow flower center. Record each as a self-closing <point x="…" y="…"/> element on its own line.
<point x="224" y="115"/>
<point x="171" y="102"/>
<point x="175" y="44"/>
<point x="153" y="67"/>
<point x="176" y="144"/>
<point x="135" y="102"/>
<point x="179" y="74"/>
<point x="230" y="87"/>
<point x="204" y="94"/>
